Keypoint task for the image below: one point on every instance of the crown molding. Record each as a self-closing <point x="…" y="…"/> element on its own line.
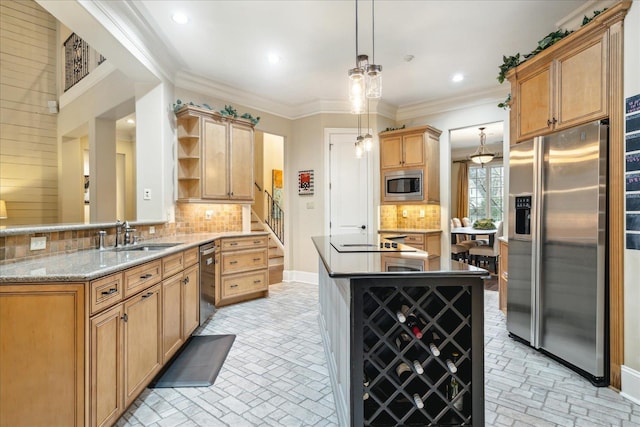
<point x="412" y="111"/>
<point x="573" y="20"/>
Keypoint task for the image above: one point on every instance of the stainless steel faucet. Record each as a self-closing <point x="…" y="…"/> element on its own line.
<point x="118" y="231"/>
<point x="128" y="234"/>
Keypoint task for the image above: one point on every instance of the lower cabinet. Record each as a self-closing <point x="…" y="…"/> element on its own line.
<point x="180" y="315"/>
<point x="142" y="341"/>
<point x="42" y="354"/>
<point x="428" y="242"/>
<point x="106" y="338"/>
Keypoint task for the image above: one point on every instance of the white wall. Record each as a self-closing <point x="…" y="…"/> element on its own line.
<point x="631" y="367"/>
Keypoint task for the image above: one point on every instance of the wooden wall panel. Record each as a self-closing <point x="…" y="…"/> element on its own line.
<point x="28" y="131"/>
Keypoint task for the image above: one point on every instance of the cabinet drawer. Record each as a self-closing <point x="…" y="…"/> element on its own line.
<point x="141" y="277"/>
<point x="105" y="292"/>
<point x="172" y="264"/>
<point x="244" y="284"/>
<point x="244" y="261"/>
<point x="190" y="257"/>
<point x="247" y="242"/>
<point x="412" y="239"/>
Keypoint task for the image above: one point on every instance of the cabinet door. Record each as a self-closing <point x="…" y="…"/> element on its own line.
<point x="142" y="341"/>
<point x="582" y="83"/>
<point x="190" y="301"/>
<point x="433" y="244"/>
<point x="413" y="150"/>
<point x="215" y="183"/>
<point x="42" y="354"/>
<point x="172" y="337"/>
<point x="106" y="367"/>
<point x="241" y="163"/>
<point x="390" y="152"/>
<point x="534" y="99"/>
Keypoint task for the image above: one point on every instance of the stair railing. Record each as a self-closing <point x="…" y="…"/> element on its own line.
<point x="275" y="217"/>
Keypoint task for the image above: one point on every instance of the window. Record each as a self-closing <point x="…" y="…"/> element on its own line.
<point x="485" y="192"/>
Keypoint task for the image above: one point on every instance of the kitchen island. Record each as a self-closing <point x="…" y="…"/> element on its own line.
<point x="403" y="333"/>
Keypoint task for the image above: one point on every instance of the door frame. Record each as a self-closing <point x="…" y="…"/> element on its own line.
<point x="369" y="158"/>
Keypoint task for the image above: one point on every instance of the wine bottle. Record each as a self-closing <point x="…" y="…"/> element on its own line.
<point x="433" y="344"/>
<point x="453" y="387"/>
<point x="412" y="323"/>
<point x="451" y="364"/>
<point x="365" y="383"/>
<point x="400" y="314"/>
<point x="418" y="401"/>
<point x="403" y="371"/>
<point x="404" y="340"/>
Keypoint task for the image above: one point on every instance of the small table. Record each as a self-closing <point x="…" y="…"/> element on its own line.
<point x="473" y="232"/>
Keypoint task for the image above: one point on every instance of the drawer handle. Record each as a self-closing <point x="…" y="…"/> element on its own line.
<point x="256" y="241"/>
<point x="257" y="281"/>
<point x="257" y="259"/>
<point x="146" y="276"/>
<point x="147" y="295"/>
<point x="110" y="291"/>
<point x="233" y="286"/>
<point x="125" y="317"/>
<point x="233" y="244"/>
<point x="233" y="262"/>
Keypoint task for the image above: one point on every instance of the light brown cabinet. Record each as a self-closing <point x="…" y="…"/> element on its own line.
<point x="561" y="88"/>
<point x="416" y="148"/>
<point x="180" y="310"/>
<point x="215" y="156"/>
<point x="242" y="269"/>
<point x="428" y="242"/>
<point x="42" y="356"/>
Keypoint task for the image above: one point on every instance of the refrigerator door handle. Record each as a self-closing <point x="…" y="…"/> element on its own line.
<point x="536" y="297"/>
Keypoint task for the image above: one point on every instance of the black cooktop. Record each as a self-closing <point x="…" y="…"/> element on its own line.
<point x="367" y="243"/>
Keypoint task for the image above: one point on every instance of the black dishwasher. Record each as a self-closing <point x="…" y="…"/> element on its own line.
<point x="207" y="280"/>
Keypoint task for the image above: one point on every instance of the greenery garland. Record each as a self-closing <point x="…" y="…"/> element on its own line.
<point x="227" y="111"/>
<point x="509" y="62"/>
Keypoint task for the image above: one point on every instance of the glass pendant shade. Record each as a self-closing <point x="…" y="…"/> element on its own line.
<point x="368" y="142"/>
<point x="356" y="90"/>
<point x="374" y="81"/>
<point x="359" y="147"/>
<point x="482" y="155"/>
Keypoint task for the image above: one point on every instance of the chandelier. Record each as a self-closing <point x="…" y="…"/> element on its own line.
<point x="365" y="82"/>
<point x="482" y="155"/>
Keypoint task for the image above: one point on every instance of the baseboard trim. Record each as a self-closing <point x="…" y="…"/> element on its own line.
<point x="300" y="276"/>
<point x="630" y="379"/>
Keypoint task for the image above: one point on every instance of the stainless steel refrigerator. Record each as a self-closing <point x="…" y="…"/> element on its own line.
<point x="557" y="247"/>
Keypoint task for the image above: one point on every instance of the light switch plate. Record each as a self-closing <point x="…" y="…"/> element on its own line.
<point x="146" y="194"/>
<point x="421" y="213"/>
<point x="152" y="230"/>
<point x="38" y="243"/>
<point x="405" y="213"/>
<point x="208" y="214"/>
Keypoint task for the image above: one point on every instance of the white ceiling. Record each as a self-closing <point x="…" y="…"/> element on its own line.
<point x="227" y="42"/>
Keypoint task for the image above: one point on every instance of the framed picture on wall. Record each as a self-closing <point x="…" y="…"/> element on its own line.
<point x="305" y="182"/>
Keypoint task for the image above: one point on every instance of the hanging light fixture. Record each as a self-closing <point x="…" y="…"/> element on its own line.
<point x="367" y="140"/>
<point x="365" y="79"/>
<point x="482" y="156"/>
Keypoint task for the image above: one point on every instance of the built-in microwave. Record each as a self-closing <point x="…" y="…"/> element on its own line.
<point x="404" y="185"/>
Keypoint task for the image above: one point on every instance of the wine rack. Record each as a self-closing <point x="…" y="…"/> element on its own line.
<point x="400" y="378"/>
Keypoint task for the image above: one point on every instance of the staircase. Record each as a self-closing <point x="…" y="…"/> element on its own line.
<point x="276" y="253"/>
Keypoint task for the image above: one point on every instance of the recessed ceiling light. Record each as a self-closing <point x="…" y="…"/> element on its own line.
<point x="273" y="58"/>
<point x="458" y="77"/>
<point x="408" y="58"/>
<point x="180" y="18"/>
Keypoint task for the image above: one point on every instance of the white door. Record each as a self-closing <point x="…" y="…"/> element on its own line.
<point x="350" y="192"/>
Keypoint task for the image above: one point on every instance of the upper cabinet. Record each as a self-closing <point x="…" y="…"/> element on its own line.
<point x="215" y="156"/>
<point x="566" y="84"/>
<point x="416" y="148"/>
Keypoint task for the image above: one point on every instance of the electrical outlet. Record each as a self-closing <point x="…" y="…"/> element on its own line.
<point x="38" y="243"/>
<point x="404" y="213"/>
<point x="421" y="213"/>
<point x="152" y="230"/>
<point x="208" y="214"/>
<point x="146" y="194"/>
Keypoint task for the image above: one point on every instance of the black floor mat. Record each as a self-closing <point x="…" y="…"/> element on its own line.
<point x="198" y="363"/>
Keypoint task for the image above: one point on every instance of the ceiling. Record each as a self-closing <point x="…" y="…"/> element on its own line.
<point x="228" y="43"/>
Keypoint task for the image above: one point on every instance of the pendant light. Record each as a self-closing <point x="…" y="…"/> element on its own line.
<point x="482" y="156"/>
<point x="365" y="79"/>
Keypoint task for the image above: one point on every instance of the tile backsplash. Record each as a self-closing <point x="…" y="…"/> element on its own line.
<point x="391" y="216"/>
<point x="190" y="218"/>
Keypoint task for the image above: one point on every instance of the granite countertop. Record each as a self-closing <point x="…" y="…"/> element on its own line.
<point x="407" y="261"/>
<point x="90" y="264"/>
<point x="410" y="230"/>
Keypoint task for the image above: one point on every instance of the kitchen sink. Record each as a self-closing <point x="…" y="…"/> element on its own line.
<point x="145" y="247"/>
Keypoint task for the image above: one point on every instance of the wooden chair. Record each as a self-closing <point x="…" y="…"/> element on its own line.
<point x="487" y="254"/>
